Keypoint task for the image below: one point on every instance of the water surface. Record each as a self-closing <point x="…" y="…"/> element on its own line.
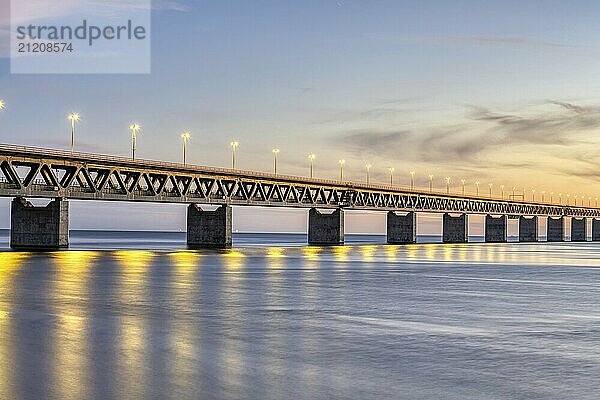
<point x="260" y="321"/>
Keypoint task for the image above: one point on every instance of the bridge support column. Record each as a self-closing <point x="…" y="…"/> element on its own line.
<point x="528" y="229"/>
<point x="595" y="229"/>
<point x="401" y="228"/>
<point x="39" y="227"/>
<point x="325" y="229"/>
<point x="455" y="229"/>
<point x="495" y="228"/>
<point x="578" y="229"/>
<point x="556" y="229"/>
<point x="209" y="228"/>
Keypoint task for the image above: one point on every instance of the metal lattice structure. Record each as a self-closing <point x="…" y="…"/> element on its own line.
<point x="42" y="173"/>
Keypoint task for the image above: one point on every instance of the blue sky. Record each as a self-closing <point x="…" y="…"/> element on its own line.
<point x="503" y="92"/>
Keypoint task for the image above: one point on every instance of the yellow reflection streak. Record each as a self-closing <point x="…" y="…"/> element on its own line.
<point x="185" y="262"/>
<point x="341" y="252"/>
<point x="391" y="252"/>
<point x="10" y="266"/>
<point x="71" y="296"/>
<point x="311" y="255"/>
<point x="132" y="344"/>
<point x="275" y="258"/>
<point x="368" y="252"/>
<point x="234" y="260"/>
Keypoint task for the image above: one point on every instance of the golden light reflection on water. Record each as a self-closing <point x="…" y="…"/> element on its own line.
<point x="132" y="344"/>
<point x="311" y="256"/>
<point x="275" y="258"/>
<point x="184" y="338"/>
<point x="367" y="252"/>
<point x="341" y="252"/>
<point x="234" y="260"/>
<point x="71" y="371"/>
<point x="391" y="252"/>
<point x="185" y="262"/>
<point x="10" y="267"/>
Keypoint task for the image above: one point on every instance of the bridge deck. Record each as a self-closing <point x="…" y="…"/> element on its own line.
<point x="46" y="173"/>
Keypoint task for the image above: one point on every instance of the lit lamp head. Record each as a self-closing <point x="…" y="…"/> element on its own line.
<point x="186" y="136"/>
<point x="342" y="162"/>
<point x="2" y="105"/>
<point x="73" y="117"/>
<point x="134" y="128"/>
<point x="312" y="157"/>
<point x="275" y="151"/>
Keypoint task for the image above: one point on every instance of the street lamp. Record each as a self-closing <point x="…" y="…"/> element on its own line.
<point x="135" y="129"/>
<point x="73" y="117"/>
<point x="2" y="105"/>
<point x="502" y="191"/>
<point x="311" y="158"/>
<point x="551" y="197"/>
<point x="477" y="186"/>
<point x="185" y="136"/>
<point x="275" y="153"/>
<point x="575" y="197"/>
<point x="543" y="195"/>
<point x="342" y="162"/>
<point x="391" y="170"/>
<point x="234" y="145"/>
<point x="568" y="199"/>
<point x="532" y="194"/>
<point x="490" y="185"/>
<point x="412" y="180"/>
<point x="513" y="192"/>
<point x="596" y="199"/>
<point x="368" y="167"/>
<point x="448" y="185"/>
<point x="462" y="181"/>
<point x="430" y="183"/>
<point x="560" y="199"/>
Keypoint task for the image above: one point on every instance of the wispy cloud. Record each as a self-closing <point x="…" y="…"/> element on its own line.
<point x="504" y="41"/>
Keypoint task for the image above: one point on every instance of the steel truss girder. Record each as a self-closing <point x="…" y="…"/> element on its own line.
<point x="81" y="178"/>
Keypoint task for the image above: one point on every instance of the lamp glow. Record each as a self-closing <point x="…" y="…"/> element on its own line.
<point x="135" y="129"/>
<point x="73" y="117"/>
<point x="185" y="136"/>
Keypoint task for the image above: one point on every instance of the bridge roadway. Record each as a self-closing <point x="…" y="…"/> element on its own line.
<point x="27" y="172"/>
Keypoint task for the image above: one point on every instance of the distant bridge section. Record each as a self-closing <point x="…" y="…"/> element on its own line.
<point x="27" y="172"/>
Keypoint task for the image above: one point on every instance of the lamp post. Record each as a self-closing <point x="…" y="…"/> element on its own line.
<point x="532" y="194"/>
<point x="311" y="158"/>
<point x="513" y="192"/>
<point x="551" y="197"/>
<point x="342" y="162"/>
<point x="462" y="181"/>
<point x="412" y="180"/>
<point x="430" y="183"/>
<point x="135" y="129"/>
<point x="368" y="168"/>
<point x="575" y="199"/>
<point x="234" y="145"/>
<point x="543" y="195"/>
<point x="477" y="187"/>
<point x="2" y="105"/>
<point x="560" y="199"/>
<point x="490" y="186"/>
<point x="447" y="185"/>
<point x="502" y="191"/>
<point x="73" y="117"/>
<point x="391" y="170"/>
<point x="568" y="199"/>
<point x="275" y="154"/>
<point x="185" y="136"/>
<point x="596" y="199"/>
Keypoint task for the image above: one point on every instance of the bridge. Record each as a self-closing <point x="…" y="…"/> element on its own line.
<point x="27" y="172"/>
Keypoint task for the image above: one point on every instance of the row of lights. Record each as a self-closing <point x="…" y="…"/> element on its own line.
<point x="186" y="136"/>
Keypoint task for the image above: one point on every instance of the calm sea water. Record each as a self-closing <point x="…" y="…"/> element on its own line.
<point x="136" y="316"/>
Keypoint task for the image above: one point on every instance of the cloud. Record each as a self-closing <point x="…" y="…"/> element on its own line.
<point x="504" y="41"/>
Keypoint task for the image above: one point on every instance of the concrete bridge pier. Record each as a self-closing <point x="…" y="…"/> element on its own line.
<point x="401" y="229"/>
<point x="209" y="228"/>
<point x="39" y="227"/>
<point x="578" y="229"/>
<point x="555" y="229"/>
<point x="324" y="228"/>
<point x="528" y="229"/>
<point x="455" y="229"/>
<point x="495" y="228"/>
<point x="595" y="229"/>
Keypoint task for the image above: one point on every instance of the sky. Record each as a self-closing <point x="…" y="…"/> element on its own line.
<point x="497" y="92"/>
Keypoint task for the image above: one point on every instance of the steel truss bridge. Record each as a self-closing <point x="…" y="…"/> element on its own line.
<point x="44" y="173"/>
